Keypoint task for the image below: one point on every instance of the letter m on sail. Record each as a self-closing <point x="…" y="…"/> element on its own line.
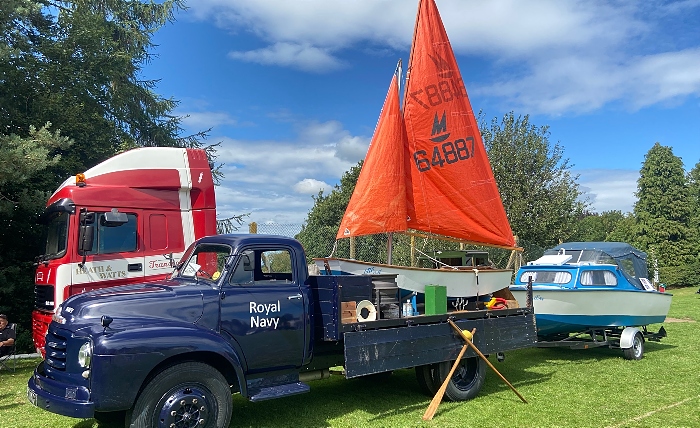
<point x="439" y="125"/>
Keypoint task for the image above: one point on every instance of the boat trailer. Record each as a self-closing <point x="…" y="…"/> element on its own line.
<point x="629" y="339"/>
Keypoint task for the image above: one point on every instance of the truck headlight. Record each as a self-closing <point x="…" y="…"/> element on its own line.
<point x="85" y="354"/>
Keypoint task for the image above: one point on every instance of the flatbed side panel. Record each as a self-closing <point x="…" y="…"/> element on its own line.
<point x="375" y="351"/>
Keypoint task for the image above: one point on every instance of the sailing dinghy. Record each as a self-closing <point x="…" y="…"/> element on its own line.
<point x="427" y="170"/>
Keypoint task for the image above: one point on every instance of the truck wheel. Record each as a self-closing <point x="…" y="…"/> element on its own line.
<point x="425" y="375"/>
<point x="185" y="395"/>
<point x="467" y="379"/>
<point x="636" y="352"/>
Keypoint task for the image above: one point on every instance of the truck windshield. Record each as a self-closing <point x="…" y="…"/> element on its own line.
<point x="57" y="236"/>
<point x="207" y="261"/>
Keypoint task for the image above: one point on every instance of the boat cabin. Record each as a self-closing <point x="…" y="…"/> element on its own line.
<point x="595" y="264"/>
<point x="455" y="258"/>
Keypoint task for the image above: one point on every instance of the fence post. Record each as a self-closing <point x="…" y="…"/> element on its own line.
<point x="253" y="228"/>
<point x="352" y="247"/>
<point x="413" y="251"/>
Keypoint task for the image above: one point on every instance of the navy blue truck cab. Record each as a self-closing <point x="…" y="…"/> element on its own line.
<point x="240" y="314"/>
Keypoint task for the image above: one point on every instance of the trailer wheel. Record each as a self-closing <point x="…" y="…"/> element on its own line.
<point x="636" y="351"/>
<point x="425" y="375"/>
<point x="187" y="395"/>
<point x="467" y="379"/>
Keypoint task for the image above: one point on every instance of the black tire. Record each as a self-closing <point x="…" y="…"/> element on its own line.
<point x="636" y="352"/>
<point x="425" y="375"/>
<point x="110" y="419"/>
<point x="182" y="395"/>
<point x="466" y="381"/>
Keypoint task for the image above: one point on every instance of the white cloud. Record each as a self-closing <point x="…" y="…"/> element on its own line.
<point x="560" y="57"/>
<point x="300" y="56"/>
<point x="310" y="186"/>
<point x="206" y="120"/>
<point x="609" y="189"/>
<point x="274" y="180"/>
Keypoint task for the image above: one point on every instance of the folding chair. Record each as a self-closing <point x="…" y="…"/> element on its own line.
<point x="5" y="359"/>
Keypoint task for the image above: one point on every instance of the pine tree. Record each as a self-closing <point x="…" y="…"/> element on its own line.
<point x="663" y="214"/>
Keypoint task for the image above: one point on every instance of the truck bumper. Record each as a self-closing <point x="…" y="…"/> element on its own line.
<point x="58" y="397"/>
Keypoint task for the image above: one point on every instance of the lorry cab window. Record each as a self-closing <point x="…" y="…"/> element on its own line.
<point x="274" y="265"/>
<point x="57" y="236"/>
<point x="109" y="238"/>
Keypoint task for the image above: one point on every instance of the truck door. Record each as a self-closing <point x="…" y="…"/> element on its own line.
<point x="262" y="309"/>
<point x="115" y="256"/>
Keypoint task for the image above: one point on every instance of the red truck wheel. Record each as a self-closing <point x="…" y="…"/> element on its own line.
<point x="187" y="394"/>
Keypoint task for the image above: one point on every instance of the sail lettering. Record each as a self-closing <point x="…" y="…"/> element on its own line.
<point x="447" y="153"/>
<point x="445" y="91"/>
<point x="439" y="127"/>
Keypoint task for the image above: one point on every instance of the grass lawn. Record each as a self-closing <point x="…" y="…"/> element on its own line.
<point x="564" y="388"/>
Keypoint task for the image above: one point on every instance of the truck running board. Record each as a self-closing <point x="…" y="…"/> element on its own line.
<point x="270" y="392"/>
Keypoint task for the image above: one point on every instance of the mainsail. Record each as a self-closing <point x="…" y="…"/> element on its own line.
<point x="448" y="186"/>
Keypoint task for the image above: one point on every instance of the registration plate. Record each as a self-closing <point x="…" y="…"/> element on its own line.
<point x="31" y="396"/>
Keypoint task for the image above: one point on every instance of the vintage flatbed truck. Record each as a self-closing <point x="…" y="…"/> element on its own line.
<point x="240" y="314"/>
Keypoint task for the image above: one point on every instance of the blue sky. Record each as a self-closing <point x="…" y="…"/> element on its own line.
<point x="293" y="89"/>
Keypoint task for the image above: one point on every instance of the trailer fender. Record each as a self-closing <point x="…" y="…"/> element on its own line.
<point x="627" y="337"/>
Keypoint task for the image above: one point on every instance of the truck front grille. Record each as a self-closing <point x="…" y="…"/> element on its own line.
<point x="55" y="351"/>
<point x="44" y="297"/>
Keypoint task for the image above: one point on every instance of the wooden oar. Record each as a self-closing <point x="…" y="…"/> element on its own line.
<point x="432" y="408"/>
<point x="469" y="342"/>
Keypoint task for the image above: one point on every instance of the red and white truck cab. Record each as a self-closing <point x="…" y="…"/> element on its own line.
<point x="126" y="220"/>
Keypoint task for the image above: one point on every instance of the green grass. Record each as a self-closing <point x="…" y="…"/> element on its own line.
<point x="564" y="388"/>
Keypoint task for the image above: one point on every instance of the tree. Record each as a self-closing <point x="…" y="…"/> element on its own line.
<point x="321" y="225"/>
<point x="663" y="214"/>
<point x="694" y="189"/>
<point x="597" y="227"/>
<point x="539" y="192"/>
<point x="20" y="158"/>
<point x="73" y="67"/>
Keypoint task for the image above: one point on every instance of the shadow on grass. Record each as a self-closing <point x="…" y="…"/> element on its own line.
<point x="336" y="398"/>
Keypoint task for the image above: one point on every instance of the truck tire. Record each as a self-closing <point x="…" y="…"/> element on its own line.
<point x="187" y="394"/>
<point x="636" y="352"/>
<point x="466" y="381"/>
<point x="425" y="375"/>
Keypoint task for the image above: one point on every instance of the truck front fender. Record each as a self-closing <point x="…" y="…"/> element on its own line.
<point x="124" y="361"/>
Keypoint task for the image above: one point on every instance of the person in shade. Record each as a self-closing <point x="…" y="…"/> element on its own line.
<point x="7" y="336"/>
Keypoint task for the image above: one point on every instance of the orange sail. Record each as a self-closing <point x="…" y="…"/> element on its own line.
<point x="454" y="191"/>
<point x="426" y="168"/>
<point x="379" y="201"/>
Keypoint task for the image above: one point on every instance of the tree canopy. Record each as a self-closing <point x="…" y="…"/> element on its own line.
<point x="71" y="96"/>
<point x="539" y="192"/>
<point x="319" y="230"/>
<point x="663" y="214"/>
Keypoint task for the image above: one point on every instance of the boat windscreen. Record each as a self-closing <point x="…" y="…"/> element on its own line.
<point x="546" y="277"/>
<point x="586" y="256"/>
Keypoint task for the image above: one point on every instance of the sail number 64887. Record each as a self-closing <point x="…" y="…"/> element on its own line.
<point x="445" y="154"/>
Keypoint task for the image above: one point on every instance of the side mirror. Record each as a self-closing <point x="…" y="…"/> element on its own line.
<point x="85" y="238"/>
<point x="86" y="217"/>
<point x="113" y="218"/>
<point x="247" y="265"/>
